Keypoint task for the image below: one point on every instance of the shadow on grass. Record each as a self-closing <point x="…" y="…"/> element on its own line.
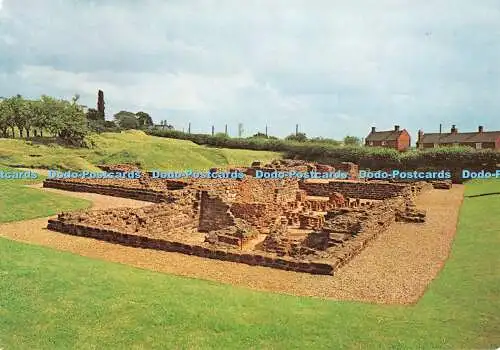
<point x="50" y="140"/>
<point x="483" y="194"/>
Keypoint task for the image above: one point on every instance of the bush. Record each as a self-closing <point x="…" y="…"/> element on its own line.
<point x="299" y="137"/>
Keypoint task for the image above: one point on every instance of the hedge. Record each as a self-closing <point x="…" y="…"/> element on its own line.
<point x="366" y="157"/>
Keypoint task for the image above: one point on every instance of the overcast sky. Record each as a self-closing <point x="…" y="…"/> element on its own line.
<point x="333" y="67"/>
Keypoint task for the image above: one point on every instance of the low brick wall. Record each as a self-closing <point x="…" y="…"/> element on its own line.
<point x="259" y="215"/>
<point x="214" y="213"/>
<point x="353" y="246"/>
<point x="354" y="189"/>
<point x="138" y="194"/>
<point x="350" y="168"/>
<point x="248" y="258"/>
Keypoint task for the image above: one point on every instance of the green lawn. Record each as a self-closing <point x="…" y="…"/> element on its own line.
<point x="126" y="147"/>
<point x="56" y="300"/>
<point x="19" y="202"/>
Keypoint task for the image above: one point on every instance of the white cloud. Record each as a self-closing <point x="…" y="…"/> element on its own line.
<point x="334" y="67"/>
<point x="182" y="91"/>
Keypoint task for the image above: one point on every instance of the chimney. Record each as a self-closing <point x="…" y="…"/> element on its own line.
<point x="396" y="127"/>
<point x="440" y="128"/>
<point x="373" y="129"/>
<point x="420" y="137"/>
<point x="454" y="130"/>
<point x="480" y="128"/>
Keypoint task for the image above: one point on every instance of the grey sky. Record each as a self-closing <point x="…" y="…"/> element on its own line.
<point x="333" y="67"/>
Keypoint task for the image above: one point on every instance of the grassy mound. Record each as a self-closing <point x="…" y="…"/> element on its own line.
<point x="134" y="147"/>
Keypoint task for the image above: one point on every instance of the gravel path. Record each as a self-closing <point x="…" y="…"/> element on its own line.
<point x="395" y="269"/>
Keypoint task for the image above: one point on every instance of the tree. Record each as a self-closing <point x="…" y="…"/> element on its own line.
<point x="352" y="141"/>
<point x="49" y="115"/>
<point x="29" y="110"/>
<point x="25" y="113"/>
<point x="75" y="98"/>
<point x="64" y="119"/>
<point x="21" y="113"/>
<point x="222" y="135"/>
<point x="300" y="137"/>
<point x="126" y="120"/>
<point x="109" y="124"/>
<point x="94" y="115"/>
<point x="100" y="104"/>
<point x="50" y="118"/>
<point x="5" y="115"/>
<point x="259" y="135"/>
<point x="73" y="123"/>
<point x="325" y="140"/>
<point x="144" y="119"/>
<point x="16" y="118"/>
<point x="95" y="120"/>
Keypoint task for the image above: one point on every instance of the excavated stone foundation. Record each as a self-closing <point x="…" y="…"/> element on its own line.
<point x="312" y="226"/>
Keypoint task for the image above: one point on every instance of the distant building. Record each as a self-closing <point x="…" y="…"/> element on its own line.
<point x="161" y="126"/>
<point x="479" y="140"/>
<point x="397" y="139"/>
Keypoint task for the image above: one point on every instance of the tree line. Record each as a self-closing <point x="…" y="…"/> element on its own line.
<point x="296" y="137"/>
<point x="68" y="121"/>
<point x="61" y="118"/>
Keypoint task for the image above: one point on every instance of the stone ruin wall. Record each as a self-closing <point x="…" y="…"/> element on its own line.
<point x="348" y="227"/>
<point x="286" y="192"/>
<point x="232" y="236"/>
<point x="259" y="215"/>
<point x="351" y="169"/>
<point x="153" y="220"/>
<point x="257" y="201"/>
<point x="201" y="250"/>
<point x="345" y="233"/>
<point x="251" y="190"/>
<point x="108" y="190"/>
<point x="356" y="189"/>
<point x="217" y="205"/>
<point x="214" y="213"/>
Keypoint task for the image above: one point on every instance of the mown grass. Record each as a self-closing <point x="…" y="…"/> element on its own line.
<point x="56" y="300"/>
<point x="135" y="147"/>
<point x="19" y="202"/>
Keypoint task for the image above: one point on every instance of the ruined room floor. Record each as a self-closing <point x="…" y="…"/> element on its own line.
<point x="395" y="268"/>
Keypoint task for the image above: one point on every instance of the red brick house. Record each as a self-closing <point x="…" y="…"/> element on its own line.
<point x="479" y="140"/>
<point x="397" y="139"/>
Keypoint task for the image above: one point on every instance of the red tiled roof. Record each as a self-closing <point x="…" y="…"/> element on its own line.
<point x="485" y="136"/>
<point x="391" y="135"/>
<point x="461" y="137"/>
